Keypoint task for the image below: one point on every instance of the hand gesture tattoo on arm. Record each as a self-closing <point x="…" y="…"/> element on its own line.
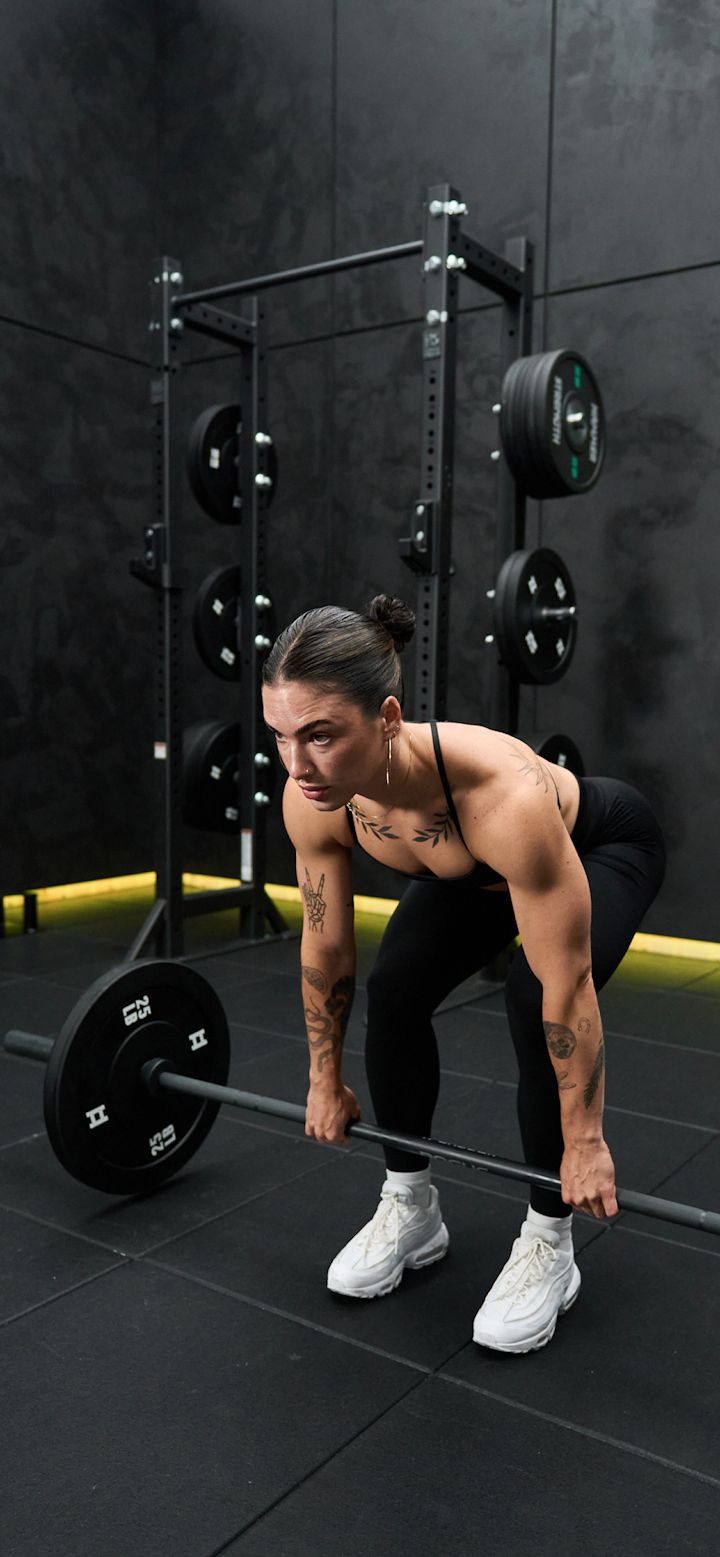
<point x="314" y="901"/>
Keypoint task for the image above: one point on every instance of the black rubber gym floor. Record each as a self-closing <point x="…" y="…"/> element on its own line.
<point x="178" y="1382"/>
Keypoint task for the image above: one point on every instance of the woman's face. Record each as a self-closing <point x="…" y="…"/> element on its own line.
<point x="326" y="743"/>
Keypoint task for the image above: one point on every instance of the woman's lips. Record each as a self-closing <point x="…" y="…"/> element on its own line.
<point x="312" y="793"/>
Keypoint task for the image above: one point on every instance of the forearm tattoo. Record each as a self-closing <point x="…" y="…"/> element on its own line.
<point x="315" y="977"/>
<point x="326" y="1026"/>
<point x="314" y="901"/>
<point x="561" y="1041"/>
<point x="596" y="1075"/>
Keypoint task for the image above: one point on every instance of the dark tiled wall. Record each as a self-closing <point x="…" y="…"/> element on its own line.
<point x="304" y="128"/>
<point x="590" y="128"/>
<point x="77" y="178"/>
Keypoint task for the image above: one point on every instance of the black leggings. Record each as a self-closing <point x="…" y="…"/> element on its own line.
<point x="444" y="931"/>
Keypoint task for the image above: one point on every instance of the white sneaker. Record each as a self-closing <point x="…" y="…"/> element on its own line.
<point x="401" y="1233"/>
<point x="538" y="1282"/>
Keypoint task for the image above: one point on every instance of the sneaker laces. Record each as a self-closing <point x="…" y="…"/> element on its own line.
<point x="527" y="1268"/>
<point x="385" y="1224"/>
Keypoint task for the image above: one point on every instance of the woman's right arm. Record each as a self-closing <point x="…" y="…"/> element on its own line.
<point x="327" y="957"/>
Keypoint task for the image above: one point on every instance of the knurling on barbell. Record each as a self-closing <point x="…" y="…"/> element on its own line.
<point x="135" y="1079"/>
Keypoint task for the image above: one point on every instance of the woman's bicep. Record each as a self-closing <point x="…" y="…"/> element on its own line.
<point x="324" y="872"/>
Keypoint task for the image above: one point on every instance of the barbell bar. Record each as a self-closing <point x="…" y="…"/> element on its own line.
<point x="155" y="1032"/>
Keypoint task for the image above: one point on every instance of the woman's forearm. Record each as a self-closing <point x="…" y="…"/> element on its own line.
<point x="328" y="986"/>
<point x="573" y="1033"/>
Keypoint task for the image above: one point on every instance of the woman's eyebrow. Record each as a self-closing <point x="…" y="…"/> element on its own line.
<point x="304" y="728"/>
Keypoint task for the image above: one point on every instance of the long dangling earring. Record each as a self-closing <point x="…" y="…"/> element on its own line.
<point x="388" y="762"/>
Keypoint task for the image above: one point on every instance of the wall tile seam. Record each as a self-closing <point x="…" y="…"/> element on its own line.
<point x="415" y="319"/>
<point x="71" y="340"/>
<point x="547" y="259"/>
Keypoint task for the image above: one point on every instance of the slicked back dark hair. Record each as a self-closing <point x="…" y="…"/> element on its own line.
<point x="353" y="653"/>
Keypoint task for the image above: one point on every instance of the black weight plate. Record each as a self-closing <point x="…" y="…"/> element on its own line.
<point x="559" y="749"/>
<point x="216" y="623"/>
<point x="103" y="1125"/>
<point x="212" y="462"/>
<point x="552" y="424"/>
<point x="534" y="643"/>
<point x="211" y="756"/>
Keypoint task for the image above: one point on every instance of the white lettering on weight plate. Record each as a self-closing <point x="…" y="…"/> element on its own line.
<point x="97" y="1116"/>
<point x="136" y="1011"/>
<point x="198" y="1040"/>
<point x="160" y="1142"/>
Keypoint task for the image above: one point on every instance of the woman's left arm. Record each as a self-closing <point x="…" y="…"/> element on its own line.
<point x="526" y="839"/>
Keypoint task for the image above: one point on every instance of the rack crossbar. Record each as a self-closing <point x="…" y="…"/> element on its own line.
<point x="301" y="273"/>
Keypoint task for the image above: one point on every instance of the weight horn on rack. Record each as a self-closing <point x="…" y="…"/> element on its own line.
<point x="135" y="1079"/>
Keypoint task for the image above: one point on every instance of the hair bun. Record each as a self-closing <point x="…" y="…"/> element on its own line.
<point x="395" y="616"/>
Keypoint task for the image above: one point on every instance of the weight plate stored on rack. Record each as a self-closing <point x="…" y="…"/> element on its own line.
<point x="560" y="749"/>
<point x="103" y="1124"/>
<point x="535" y="615"/>
<point x="211" y="757"/>
<point x="216" y="623"/>
<point x="213" y="463"/>
<point x="552" y="424"/>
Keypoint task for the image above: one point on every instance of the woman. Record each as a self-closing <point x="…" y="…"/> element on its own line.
<point x="497" y="842"/>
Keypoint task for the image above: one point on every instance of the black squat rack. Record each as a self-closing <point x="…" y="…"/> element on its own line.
<point x="447" y="253"/>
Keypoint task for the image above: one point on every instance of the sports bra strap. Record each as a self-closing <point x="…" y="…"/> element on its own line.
<point x="444" y="780"/>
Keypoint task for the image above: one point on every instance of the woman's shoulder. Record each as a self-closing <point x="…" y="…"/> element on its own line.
<point x="473" y="750"/>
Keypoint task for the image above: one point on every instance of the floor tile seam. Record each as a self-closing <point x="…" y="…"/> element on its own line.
<point x="316" y="1470"/>
<point x="492" y="1081"/>
<point x="24" y="1140"/>
<point x="58" y="1297"/>
<point x="674" y="1243"/>
<point x="268" y="1054"/>
<point x="499" y="1194"/>
<point x="621" y="1444"/>
<point x="610" y="1032"/>
<point x="692" y="1158"/>
<point x="282" y="1313"/>
<point x="68" y="1232"/>
<point x="711" y="972"/>
<point x="252" y="1123"/>
<point x="219" y="1216"/>
<point x="612" y="1108"/>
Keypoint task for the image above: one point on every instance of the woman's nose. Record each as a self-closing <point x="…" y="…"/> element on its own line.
<point x="297" y="763"/>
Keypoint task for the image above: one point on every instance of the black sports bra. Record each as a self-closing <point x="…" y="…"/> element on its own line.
<point x="483" y="875"/>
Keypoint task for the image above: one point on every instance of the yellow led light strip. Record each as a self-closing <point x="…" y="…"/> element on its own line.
<point x="658" y="945"/>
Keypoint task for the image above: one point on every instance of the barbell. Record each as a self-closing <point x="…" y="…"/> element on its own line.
<point x="138" y="1072"/>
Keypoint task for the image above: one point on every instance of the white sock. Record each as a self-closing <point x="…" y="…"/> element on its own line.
<point x="419" y="1183"/>
<point x="562" y="1225"/>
